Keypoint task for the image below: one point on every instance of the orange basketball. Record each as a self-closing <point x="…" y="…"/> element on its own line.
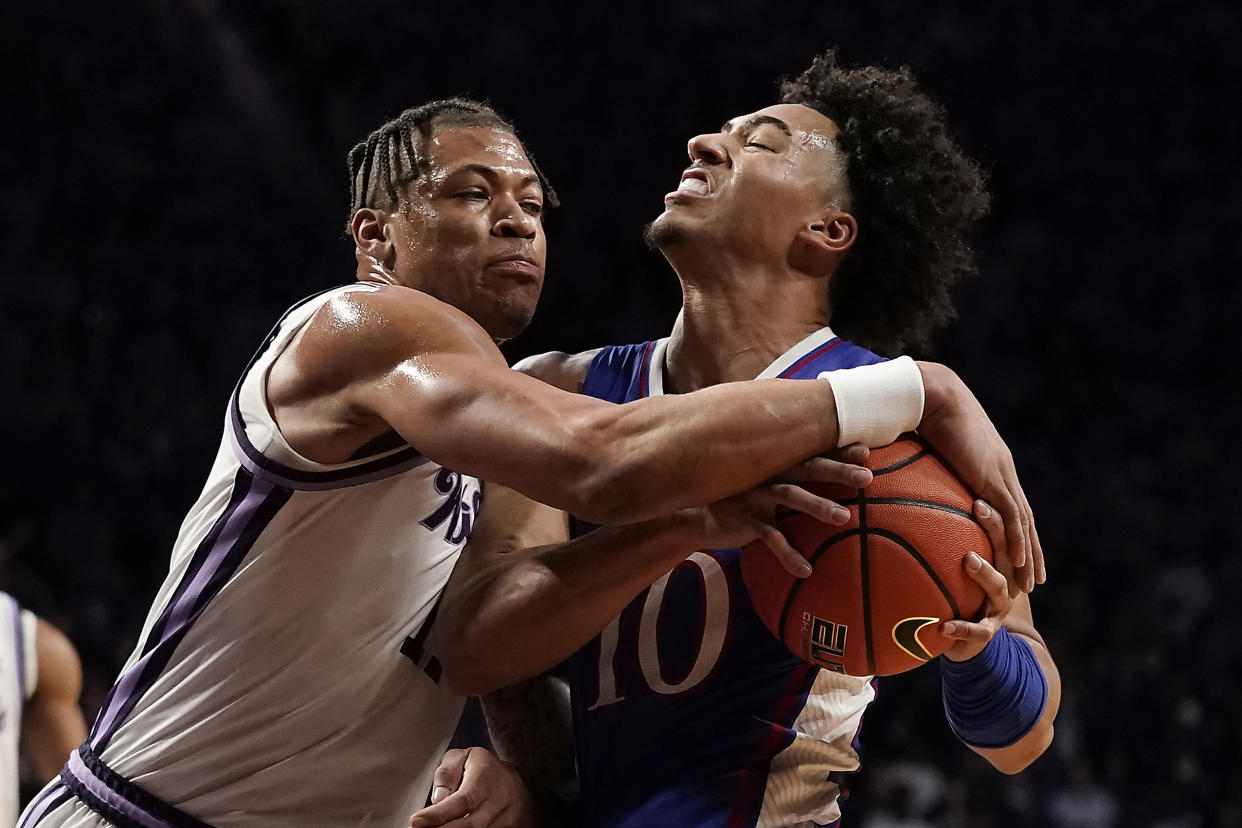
<point x="883" y="581"/>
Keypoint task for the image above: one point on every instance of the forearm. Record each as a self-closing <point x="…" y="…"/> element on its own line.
<point x="531" y="729"/>
<point x="532" y="609"/>
<point x="623" y="463"/>
<point x="1020" y="754"/>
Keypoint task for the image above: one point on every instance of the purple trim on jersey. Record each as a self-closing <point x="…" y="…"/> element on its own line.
<point x="103" y="800"/>
<point x="813" y="355"/>
<point x="51" y="798"/>
<point x="297" y="479"/>
<point x="261" y="466"/>
<point x="118" y="800"/>
<point x="21" y="659"/>
<point x="251" y="508"/>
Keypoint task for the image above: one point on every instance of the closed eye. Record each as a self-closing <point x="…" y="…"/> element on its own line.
<point x="759" y="145"/>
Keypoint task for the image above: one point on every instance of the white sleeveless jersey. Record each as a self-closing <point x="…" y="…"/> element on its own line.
<point x="280" y="679"/>
<point x="18" y="674"/>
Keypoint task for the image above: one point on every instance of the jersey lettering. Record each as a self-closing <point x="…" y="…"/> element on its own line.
<point x="456" y="511"/>
<point x="711" y="641"/>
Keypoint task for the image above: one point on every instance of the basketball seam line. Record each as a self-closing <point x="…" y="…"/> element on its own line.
<point x="866" y="580"/>
<point x="901" y="501"/>
<point x="901" y="464"/>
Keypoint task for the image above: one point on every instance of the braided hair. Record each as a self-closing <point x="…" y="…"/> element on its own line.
<point x="915" y="194"/>
<point x="396" y="153"/>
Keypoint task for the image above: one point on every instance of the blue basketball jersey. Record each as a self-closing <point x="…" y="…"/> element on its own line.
<point x="688" y="712"/>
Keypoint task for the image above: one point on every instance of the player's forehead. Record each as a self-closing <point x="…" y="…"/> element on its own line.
<point x="790" y="118"/>
<point x="455" y="149"/>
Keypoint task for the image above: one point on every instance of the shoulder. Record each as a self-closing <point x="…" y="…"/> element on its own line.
<point x="393" y="315"/>
<point x="565" y="371"/>
<point x="359" y="334"/>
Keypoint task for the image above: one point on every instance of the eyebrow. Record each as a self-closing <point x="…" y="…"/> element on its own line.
<point x="756" y="121"/>
<point x="491" y="173"/>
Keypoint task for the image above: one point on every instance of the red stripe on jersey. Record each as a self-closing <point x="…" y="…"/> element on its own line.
<point x="750" y="793"/>
<point x="645" y="370"/>
<point x="818" y="352"/>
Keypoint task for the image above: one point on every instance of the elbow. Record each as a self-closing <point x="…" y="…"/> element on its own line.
<point x="1021" y="756"/>
<point x="469" y="669"/>
<point x="465" y="680"/>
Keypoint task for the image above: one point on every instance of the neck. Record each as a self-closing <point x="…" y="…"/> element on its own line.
<point x="734" y="324"/>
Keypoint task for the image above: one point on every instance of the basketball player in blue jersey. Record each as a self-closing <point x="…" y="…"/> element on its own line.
<point x="845" y="203"/>
<point x="285" y="674"/>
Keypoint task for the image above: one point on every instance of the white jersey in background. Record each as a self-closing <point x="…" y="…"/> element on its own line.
<point x="19" y="673"/>
<point x="280" y="678"/>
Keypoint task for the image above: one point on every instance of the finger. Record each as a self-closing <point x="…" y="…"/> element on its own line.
<point x="978" y="632"/>
<point x="798" y="498"/>
<point x="448" y="775"/>
<point x="486" y="816"/>
<point x="453" y="807"/>
<point x="1036" y="549"/>
<point x="853" y="453"/>
<point x="1041" y="567"/>
<point x="790" y="558"/>
<point x="1012" y="516"/>
<point x="826" y="470"/>
<point x="993" y="583"/>
<point x="992" y="525"/>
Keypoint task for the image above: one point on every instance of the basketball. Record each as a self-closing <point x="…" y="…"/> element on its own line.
<point x="883" y="581"/>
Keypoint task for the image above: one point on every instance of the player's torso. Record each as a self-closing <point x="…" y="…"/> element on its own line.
<point x="280" y="676"/>
<point x="688" y="712"/>
<point x="16" y="683"/>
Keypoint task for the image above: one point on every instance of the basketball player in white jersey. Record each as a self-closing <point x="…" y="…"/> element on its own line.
<point x="759" y="231"/>
<point x="40" y="682"/>
<point x="283" y="676"/>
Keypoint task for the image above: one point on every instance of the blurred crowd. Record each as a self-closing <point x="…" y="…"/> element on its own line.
<point x="177" y="180"/>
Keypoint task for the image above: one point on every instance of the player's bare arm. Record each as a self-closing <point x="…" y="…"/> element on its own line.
<point x="531" y="780"/>
<point x="1010" y="612"/>
<point x="953" y="422"/>
<point x="398" y="360"/>
<point x="52" y="724"/>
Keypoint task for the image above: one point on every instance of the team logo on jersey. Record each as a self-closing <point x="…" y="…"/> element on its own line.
<point x="906" y="636"/>
<point x="457" y="511"/>
<point x="828" y="643"/>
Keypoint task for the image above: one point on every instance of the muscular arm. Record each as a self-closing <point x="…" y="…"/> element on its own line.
<point x="1030" y="747"/>
<point x="531" y="726"/>
<point x="523" y="598"/>
<point x="52" y="724"/>
<point x="396" y="359"/>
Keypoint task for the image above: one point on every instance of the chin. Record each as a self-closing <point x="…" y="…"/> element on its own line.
<point x="507" y="321"/>
<point x="666" y="230"/>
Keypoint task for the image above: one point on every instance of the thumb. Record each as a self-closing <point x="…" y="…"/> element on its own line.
<point x="448" y="775"/>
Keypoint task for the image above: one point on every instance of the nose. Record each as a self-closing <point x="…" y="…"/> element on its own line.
<point x="709" y="148"/>
<point x="511" y="221"/>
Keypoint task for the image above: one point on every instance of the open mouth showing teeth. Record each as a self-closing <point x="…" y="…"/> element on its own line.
<point x="697" y="186"/>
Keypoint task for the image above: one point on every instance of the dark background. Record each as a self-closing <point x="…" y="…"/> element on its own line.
<point x="174" y="178"/>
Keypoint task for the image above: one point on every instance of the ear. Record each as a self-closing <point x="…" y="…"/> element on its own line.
<point x="834" y="232"/>
<point x="821" y="244"/>
<point x="373" y="235"/>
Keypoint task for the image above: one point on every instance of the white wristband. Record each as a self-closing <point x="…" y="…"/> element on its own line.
<point x="877" y="403"/>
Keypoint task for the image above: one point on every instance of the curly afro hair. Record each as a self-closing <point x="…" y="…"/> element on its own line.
<point x="915" y="196"/>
